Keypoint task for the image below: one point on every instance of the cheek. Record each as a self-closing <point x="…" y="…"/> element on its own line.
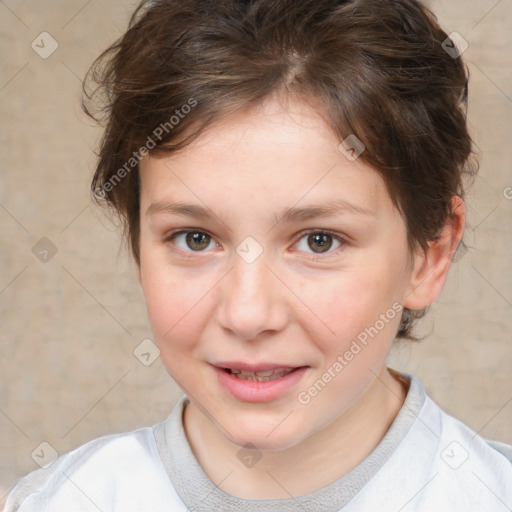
<point x="347" y="298"/>
<point x="354" y="306"/>
<point x="364" y="316"/>
<point x="177" y="320"/>
<point x="175" y="301"/>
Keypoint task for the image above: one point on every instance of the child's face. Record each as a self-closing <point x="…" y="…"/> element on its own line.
<point x="214" y="301"/>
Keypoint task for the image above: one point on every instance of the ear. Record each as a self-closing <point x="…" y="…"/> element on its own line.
<point x="431" y="266"/>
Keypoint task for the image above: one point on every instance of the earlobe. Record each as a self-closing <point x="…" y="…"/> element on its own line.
<point x="431" y="266"/>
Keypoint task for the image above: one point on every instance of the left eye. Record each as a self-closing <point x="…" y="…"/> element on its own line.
<point x="319" y="242"/>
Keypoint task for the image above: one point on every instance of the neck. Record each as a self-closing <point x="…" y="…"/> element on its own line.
<point x="307" y="466"/>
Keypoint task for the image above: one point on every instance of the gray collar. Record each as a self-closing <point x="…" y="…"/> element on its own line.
<point x="200" y="494"/>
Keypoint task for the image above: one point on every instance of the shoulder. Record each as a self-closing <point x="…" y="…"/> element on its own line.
<point x="441" y="464"/>
<point x="453" y="437"/>
<point x="504" y="449"/>
<point x="470" y="469"/>
<point x="87" y="476"/>
<point x="460" y="436"/>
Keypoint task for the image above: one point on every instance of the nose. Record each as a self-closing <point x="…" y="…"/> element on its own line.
<point x="253" y="301"/>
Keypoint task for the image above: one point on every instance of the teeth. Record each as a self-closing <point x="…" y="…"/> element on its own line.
<point x="261" y="376"/>
<point x="268" y="373"/>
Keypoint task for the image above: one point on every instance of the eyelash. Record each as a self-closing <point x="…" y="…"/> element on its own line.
<point x="190" y="254"/>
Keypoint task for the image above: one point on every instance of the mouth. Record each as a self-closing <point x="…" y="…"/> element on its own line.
<point x="264" y="376"/>
<point x="258" y="382"/>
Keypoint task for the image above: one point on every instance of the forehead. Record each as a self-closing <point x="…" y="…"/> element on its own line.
<point x="277" y="153"/>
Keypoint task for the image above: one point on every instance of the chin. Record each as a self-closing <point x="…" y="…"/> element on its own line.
<point x="264" y="438"/>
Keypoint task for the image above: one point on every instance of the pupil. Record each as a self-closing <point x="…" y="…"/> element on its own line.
<point x="197" y="240"/>
<point x="320" y="242"/>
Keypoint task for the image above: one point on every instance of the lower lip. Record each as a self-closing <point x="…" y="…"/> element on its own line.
<point x="253" y="391"/>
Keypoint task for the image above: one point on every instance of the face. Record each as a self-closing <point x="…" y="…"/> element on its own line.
<point x="266" y="253"/>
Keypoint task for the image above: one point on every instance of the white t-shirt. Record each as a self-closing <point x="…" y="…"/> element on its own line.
<point x="426" y="462"/>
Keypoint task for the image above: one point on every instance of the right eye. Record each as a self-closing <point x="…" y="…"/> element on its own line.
<point x="191" y="240"/>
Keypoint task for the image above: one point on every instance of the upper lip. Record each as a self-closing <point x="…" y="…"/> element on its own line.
<point x="251" y="367"/>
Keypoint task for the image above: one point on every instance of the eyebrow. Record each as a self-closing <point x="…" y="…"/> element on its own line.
<point x="179" y="208"/>
<point x="288" y="215"/>
<point x="329" y="209"/>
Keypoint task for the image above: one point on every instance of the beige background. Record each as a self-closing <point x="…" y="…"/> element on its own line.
<point x="69" y="326"/>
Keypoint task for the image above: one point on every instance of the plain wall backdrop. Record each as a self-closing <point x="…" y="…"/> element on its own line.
<point x="71" y="310"/>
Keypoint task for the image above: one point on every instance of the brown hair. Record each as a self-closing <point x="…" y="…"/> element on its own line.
<point x="378" y="67"/>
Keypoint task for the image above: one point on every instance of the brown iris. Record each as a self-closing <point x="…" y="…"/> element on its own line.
<point x="320" y="242"/>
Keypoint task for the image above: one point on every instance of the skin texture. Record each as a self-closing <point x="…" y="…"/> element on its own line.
<point x="291" y="305"/>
